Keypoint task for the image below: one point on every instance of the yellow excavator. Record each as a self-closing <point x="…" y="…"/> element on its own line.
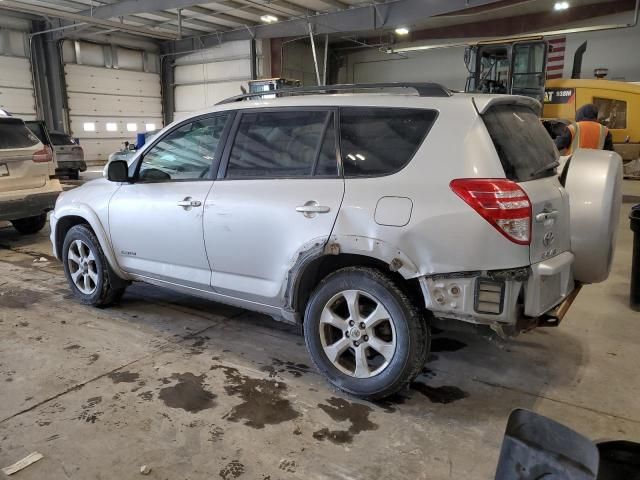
<point x="519" y="67"/>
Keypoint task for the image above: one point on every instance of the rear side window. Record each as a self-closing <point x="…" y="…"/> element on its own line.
<point x="525" y="148"/>
<point x="380" y="141"/>
<point x="61" y="139"/>
<point x="283" y="144"/>
<point x="15" y="134"/>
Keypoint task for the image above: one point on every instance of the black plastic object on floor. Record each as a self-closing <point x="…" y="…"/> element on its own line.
<point x="536" y="447"/>
<point x="634" y="220"/>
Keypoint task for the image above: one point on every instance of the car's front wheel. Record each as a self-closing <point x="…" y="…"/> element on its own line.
<point x="364" y="333"/>
<point x="30" y="225"/>
<point x="86" y="268"/>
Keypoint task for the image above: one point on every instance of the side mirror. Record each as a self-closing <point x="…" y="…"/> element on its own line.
<point x="132" y="147"/>
<point x="118" y="171"/>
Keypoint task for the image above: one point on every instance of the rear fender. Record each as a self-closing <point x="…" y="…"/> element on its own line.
<point x="397" y="260"/>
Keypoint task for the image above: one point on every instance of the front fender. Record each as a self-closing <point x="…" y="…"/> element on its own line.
<point x="85" y="212"/>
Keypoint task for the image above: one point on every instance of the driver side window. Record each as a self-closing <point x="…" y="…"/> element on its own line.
<point x="186" y="153"/>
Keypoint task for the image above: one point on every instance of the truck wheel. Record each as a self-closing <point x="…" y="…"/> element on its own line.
<point x="30" y="225"/>
<point x="87" y="270"/>
<point x="364" y="334"/>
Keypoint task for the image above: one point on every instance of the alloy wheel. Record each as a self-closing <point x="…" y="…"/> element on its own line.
<point x="357" y="334"/>
<point x="82" y="267"/>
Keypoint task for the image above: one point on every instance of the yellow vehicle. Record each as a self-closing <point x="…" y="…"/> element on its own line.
<point x="618" y="108"/>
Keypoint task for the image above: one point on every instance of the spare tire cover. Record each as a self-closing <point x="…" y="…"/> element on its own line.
<point x="593" y="179"/>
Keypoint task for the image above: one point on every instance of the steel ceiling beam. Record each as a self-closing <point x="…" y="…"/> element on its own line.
<point x="199" y="11"/>
<point x="52" y="12"/>
<point x="129" y="7"/>
<point x="336" y="4"/>
<point x="357" y="19"/>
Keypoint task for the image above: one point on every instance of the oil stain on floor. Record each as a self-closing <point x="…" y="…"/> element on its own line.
<point x="341" y="410"/>
<point x="444" y="394"/>
<point x="444" y="344"/>
<point x="263" y="400"/>
<point x="19" y="298"/>
<point x="123" y="377"/>
<point x="188" y="393"/>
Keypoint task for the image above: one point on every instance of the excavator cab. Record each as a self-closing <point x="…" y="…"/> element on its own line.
<point x="517" y="68"/>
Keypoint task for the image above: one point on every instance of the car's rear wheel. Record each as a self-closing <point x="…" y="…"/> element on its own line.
<point x="30" y="225"/>
<point x="86" y="268"/>
<point x="364" y="334"/>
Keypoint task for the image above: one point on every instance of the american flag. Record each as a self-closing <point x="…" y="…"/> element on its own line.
<point x="555" y="57"/>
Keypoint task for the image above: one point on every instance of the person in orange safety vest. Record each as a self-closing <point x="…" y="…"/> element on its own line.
<point x="586" y="132"/>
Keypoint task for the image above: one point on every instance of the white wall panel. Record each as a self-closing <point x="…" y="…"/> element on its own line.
<point x="203" y="78"/>
<point x="214" y="72"/>
<point x="16" y="87"/>
<point x="104" y="101"/>
<point x="110" y="81"/>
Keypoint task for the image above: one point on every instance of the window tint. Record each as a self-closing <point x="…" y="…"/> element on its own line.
<point x="611" y="113"/>
<point x="381" y="141"/>
<point x="61" y="139"/>
<point x="15" y="134"/>
<point x="523" y="145"/>
<point x="186" y="153"/>
<point x="278" y="144"/>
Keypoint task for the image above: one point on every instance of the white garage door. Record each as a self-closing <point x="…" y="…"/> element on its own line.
<point x="113" y="94"/>
<point x="16" y="85"/>
<point x="204" y="78"/>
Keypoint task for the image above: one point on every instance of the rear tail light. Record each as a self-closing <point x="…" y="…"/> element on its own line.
<point x="500" y="202"/>
<point x="44" y="155"/>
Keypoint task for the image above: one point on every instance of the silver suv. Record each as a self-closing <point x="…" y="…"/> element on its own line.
<point x="28" y="187"/>
<point x="359" y="216"/>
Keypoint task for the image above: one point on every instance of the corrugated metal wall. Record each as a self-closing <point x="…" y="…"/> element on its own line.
<point x="208" y="76"/>
<point x="16" y="84"/>
<point x="113" y="93"/>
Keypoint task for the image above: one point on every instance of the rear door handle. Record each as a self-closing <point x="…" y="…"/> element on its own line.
<point x="311" y="208"/>
<point x="187" y="203"/>
<point x="544" y="216"/>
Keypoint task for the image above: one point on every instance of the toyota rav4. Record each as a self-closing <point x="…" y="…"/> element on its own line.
<point x="360" y="216"/>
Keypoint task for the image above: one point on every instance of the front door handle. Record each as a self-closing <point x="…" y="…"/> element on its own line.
<point x="311" y="208"/>
<point x="188" y="203"/>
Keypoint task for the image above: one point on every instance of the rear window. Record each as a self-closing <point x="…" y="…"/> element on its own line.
<point x="61" y="139"/>
<point x="525" y="148"/>
<point x="381" y="141"/>
<point x="15" y="134"/>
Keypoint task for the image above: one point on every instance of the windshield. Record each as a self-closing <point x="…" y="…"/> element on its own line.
<point x="525" y="148"/>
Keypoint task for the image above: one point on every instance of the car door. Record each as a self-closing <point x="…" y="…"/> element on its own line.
<point x="156" y="221"/>
<point x="278" y="193"/>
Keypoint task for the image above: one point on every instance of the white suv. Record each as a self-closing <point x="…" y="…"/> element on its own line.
<point x="359" y="216"/>
<point x="28" y="187"/>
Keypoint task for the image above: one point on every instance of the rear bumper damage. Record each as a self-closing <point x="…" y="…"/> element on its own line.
<point x="530" y="295"/>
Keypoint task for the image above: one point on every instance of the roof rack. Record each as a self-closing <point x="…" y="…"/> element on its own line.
<point x="423" y="89"/>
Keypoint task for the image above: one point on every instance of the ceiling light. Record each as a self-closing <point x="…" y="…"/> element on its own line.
<point x="268" y="18"/>
<point x="561" y="6"/>
<point x="402" y="31"/>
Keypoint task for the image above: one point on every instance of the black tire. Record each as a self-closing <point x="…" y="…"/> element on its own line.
<point x="411" y="332"/>
<point x="105" y="293"/>
<point x="74" y="175"/>
<point x="30" y="225"/>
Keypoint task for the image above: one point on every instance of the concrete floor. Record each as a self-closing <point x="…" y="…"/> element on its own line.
<point x="199" y="390"/>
